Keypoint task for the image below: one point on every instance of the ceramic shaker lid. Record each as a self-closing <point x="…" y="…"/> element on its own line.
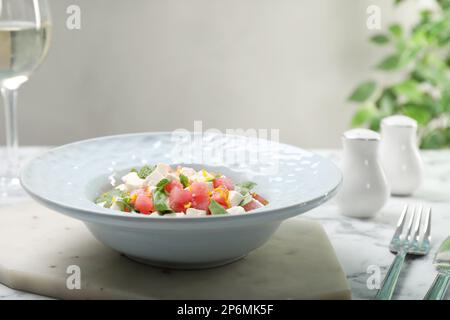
<point x="399" y="121"/>
<point x="361" y="134"/>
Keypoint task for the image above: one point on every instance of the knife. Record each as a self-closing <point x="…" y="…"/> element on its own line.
<point x="442" y="265"/>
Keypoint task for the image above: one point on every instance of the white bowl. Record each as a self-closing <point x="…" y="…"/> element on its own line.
<point x="67" y="179"/>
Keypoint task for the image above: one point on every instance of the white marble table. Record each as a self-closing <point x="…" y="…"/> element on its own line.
<point x="361" y="245"/>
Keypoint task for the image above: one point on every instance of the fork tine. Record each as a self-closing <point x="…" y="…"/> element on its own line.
<point x="417" y="223"/>
<point x="415" y="233"/>
<point x="427" y="227"/>
<point x="400" y="224"/>
<point x="409" y="225"/>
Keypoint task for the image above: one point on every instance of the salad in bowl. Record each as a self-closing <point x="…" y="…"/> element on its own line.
<point x="217" y="215"/>
<point x="160" y="190"/>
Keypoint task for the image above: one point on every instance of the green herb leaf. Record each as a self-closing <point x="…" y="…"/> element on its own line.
<point x="216" y="208"/>
<point x="391" y="62"/>
<point x="160" y="197"/>
<point x="184" y="180"/>
<point x="125" y="204"/>
<point x="247" y="185"/>
<point x="146" y="171"/>
<point x="417" y="112"/>
<point x="161" y="184"/>
<point x="380" y="39"/>
<point x="447" y="61"/>
<point x="160" y="201"/>
<point x="108" y="197"/>
<point x="435" y="139"/>
<point x="444" y="103"/>
<point x="396" y="30"/>
<point x="386" y="102"/>
<point x="247" y="199"/>
<point x="409" y="89"/>
<point x="365" y="114"/>
<point x="363" y="92"/>
<point x="375" y="122"/>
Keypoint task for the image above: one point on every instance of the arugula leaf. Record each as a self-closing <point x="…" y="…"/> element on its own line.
<point x="145" y="171"/>
<point x="108" y="197"/>
<point x="247" y="199"/>
<point x="160" y="201"/>
<point x="161" y="184"/>
<point x="160" y="197"/>
<point x="184" y="180"/>
<point x="125" y="204"/>
<point x="245" y="187"/>
<point x="216" y="208"/>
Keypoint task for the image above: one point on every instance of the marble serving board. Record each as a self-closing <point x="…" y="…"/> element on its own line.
<point x="42" y="252"/>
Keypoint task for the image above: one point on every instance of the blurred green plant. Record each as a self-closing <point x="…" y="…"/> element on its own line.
<point x="421" y="57"/>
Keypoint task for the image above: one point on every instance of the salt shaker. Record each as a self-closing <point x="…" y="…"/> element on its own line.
<point x="364" y="189"/>
<point x="399" y="154"/>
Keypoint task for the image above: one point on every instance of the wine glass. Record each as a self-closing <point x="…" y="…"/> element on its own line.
<point x="24" y="40"/>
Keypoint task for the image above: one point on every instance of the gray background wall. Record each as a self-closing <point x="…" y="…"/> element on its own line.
<point x="149" y="65"/>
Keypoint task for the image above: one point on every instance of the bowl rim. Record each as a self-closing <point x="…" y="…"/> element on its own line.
<point x="117" y="215"/>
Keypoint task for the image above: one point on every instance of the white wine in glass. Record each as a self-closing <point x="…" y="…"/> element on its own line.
<point x="24" y="41"/>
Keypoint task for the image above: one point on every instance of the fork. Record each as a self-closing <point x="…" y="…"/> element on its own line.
<point x="414" y="240"/>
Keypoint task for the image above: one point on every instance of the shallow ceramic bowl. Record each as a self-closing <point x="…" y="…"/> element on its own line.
<point x="68" y="179"/>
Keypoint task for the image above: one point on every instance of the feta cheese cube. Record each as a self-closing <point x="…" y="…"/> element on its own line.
<point x="163" y="168"/>
<point x="234" y="198"/>
<point x="195" y="212"/>
<point x="188" y="172"/>
<point x="172" y="176"/>
<point x="153" y="179"/>
<point x="132" y="181"/>
<point x="160" y="172"/>
<point x="236" y="210"/>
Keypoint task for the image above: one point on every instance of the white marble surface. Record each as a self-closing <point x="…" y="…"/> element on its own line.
<point x="360" y="244"/>
<point x="50" y="243"/>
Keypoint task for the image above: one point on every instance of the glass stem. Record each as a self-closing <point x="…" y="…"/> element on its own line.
<point x="12" y="142"/>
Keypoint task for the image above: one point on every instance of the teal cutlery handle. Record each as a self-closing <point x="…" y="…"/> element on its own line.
<point x="439" y="287"/>
<point x="390" y="281"/>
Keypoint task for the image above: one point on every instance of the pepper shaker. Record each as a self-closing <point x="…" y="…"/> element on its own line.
<point x="364" y="189"/>
<point x="400" y="154"/>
